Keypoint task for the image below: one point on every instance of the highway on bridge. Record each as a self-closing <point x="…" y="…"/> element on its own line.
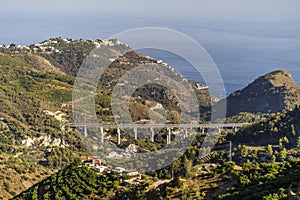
<point x="214" y="125"/>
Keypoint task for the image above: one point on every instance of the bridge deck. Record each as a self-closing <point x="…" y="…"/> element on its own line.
<point x="94" y="125"/>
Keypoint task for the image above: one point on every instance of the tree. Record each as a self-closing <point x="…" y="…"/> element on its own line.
<point x="298" y="143"/>
<point x="273" y="158"/>
<point x="280" y="144"/>
<point x="176" y="165"/>
<point x="285" y="140"/>
<point x="283" y="154"/>
<point x="188" y="166"/>
<point x="293" y="129"/>
<point x="244" y="180"/>
<point x="243" y="150"/>
<point x="255" y="154"/>
<point x="269" y="151"/>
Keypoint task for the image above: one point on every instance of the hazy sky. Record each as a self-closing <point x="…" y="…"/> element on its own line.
<point x="238" y="9"/>
<point x="28" y="21"/>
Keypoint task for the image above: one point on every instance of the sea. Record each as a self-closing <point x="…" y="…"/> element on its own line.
<point x="242" y="50"/>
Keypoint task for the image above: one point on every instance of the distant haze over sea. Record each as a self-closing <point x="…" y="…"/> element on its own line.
<point x="242" y="51"/>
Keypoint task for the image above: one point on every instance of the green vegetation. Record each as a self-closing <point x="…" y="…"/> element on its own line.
<point x="73" y="182"/>
<point x="256" y="181"/>
<point x="279" y="129"/>
<point x="69" y="55"/>
<point x="29" y="92"/>
<point x="36" y="93"/>
<point x="265" y="181"/>
<point x="38" y="147"/>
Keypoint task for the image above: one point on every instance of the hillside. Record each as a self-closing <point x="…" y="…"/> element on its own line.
<point x="37" y="145"/>
<point x="270" y="130"/>
<point x="192" y="179"/>
<point x="255" y="181"/>
<point x="197" y="180"/>
<point x="267" y="94"/>
<point x="73" y="182"/>
<point x="36" y="92"/>
<point x="34" y="136"/>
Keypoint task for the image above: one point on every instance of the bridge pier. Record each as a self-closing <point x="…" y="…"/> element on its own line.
<point x="230" y="151"/>
<point x="203" y="131"/>
<point x="235" y="129"/>
<point x="185" y="133"/>
<point x="102" y="134"/>
<point x="119" y="135"/>
<point x="85" y="131"/>
<point x="152" y="134"/>
<point x="169" y="136"/>
<point x="135" y="133"/>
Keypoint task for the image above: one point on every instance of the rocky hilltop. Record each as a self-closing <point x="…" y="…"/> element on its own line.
<point x="267" y="94"/>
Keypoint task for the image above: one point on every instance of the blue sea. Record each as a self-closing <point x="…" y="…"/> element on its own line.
<point x="242" y="50"/>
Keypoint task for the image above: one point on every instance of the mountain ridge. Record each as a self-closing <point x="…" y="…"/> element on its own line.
<point x="269" y="93"/>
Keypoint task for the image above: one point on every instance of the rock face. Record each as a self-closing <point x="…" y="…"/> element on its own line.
<point x="269" y="93"/>
<point x="44" y="141"/>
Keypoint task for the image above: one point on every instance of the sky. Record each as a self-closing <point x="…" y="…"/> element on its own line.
<point x="239" y="9"/>
<point x="22" y="21"/>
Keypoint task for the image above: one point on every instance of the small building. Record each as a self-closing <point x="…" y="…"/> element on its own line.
<point x="119" y="169"/>
<point x="132" y="174"/>
<point x="101" y="169"/>
<point x="91" y="161"/>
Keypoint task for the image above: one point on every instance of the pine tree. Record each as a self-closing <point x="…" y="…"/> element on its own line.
<point x="293" y="129"/>
<point x="298" y="143"/>
<point x="283" y="154"/>
<point x="269" y="151"/>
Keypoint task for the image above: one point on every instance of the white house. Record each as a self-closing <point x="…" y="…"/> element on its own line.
<point x="119" y="169"/>
<point x="100" y="169"/>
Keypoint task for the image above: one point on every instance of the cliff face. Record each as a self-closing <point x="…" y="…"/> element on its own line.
<point x="269" y="93"/>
